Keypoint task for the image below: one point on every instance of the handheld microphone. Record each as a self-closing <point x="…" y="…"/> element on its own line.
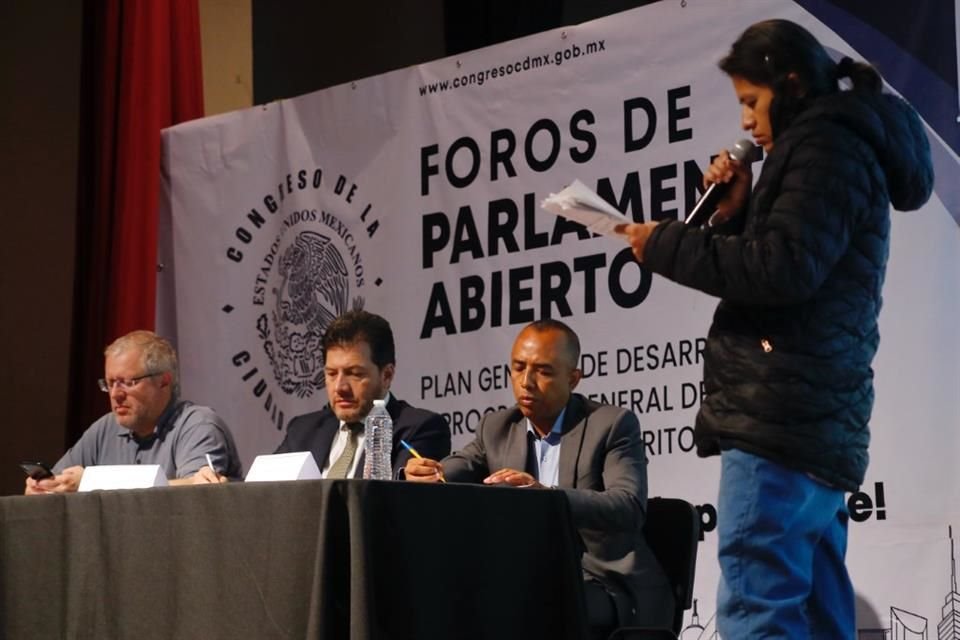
<point x="707" y="203"/>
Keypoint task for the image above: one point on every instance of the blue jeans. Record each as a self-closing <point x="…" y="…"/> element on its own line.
<point x="782" y="538"/>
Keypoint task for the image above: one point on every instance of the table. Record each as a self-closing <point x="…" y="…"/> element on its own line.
<point x="311" y="559"/>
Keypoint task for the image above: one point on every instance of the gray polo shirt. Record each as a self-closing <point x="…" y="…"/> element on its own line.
<point x="184" y="434"/>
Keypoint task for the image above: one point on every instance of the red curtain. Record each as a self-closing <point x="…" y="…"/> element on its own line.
<point x="141" y="73"/>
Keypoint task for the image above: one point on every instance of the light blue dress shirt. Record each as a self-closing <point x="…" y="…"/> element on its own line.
<point x="547" y="452"/>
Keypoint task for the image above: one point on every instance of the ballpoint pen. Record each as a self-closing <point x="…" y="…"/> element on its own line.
<point x="414" y="453"/>
<point x="210" y="464"/>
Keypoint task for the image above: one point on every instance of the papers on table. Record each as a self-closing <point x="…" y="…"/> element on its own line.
<point x="577" y="202"/>
<point x="298" y="465"/>
<point x="122" y="476"/>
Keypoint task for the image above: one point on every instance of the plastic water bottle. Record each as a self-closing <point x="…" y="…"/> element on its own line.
<point x="378" y="443"/>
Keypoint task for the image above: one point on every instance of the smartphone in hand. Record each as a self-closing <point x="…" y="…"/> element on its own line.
<point x="37" y="470"/>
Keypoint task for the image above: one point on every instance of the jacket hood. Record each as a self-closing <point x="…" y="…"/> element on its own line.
<point x="894" y="130"/>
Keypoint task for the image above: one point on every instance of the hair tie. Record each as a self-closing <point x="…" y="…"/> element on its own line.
<point x="845" y="67"/>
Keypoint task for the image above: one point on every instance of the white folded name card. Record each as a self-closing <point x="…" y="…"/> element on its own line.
<point x="122" y="476"/>
<point x="299" y="465"/>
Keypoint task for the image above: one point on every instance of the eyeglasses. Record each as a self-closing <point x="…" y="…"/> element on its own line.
<point x="107" y="385"/>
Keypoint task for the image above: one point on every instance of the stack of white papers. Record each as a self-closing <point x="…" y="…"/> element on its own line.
<point x="577" y="202"/>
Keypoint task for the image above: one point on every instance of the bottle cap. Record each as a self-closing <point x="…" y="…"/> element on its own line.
<point x="379" y="403"/>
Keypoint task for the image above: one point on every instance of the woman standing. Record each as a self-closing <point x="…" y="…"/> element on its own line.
<point x="798" y="261"/>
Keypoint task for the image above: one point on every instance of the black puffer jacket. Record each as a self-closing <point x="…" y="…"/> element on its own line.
<point x="787" y="364"/>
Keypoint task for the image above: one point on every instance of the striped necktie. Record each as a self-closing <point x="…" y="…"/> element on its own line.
<point x="341" y="467"/>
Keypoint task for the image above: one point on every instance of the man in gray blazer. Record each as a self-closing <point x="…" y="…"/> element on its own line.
<point x="594" y="453"/>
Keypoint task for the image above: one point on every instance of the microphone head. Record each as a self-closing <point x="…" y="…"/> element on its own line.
<point x="741" y="150"/>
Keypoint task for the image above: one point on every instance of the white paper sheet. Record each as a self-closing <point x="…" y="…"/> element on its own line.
<point x="298" y="465"/>
<point x="579" y="203"/>
<point x="122" y="476"/>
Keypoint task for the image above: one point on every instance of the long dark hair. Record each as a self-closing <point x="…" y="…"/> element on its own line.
<point x="769" y="51"/>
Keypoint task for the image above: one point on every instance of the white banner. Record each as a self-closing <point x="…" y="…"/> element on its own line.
<point x="415" y="194"/>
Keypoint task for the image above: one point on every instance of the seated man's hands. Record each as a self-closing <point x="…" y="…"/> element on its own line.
<point x="513" y="478"/>
<point x="205" y="475"/>
<point x="66" y="481"/>
<point x="39" y="487"/>
<point x="423" y="470"/>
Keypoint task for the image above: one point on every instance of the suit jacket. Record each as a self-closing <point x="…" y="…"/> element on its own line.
<point x="603" y="471"/>
<point x="425" y="431"/>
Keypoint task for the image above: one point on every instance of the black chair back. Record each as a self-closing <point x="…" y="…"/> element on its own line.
<point x="673" y="533"/>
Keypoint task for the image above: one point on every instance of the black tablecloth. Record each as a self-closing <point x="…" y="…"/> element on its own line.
<point x="317" y="559"/>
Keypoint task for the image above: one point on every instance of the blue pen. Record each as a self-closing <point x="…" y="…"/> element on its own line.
<point x="414" y="453"/>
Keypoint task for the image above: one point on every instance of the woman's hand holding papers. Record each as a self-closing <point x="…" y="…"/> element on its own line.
<point x="637" y="235"/>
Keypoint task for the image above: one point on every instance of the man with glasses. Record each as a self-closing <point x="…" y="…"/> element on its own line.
<point x="148" y="423"/>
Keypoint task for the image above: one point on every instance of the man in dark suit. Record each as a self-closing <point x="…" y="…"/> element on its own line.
<point x="554" y="438"/>
<point x="359" y="365"/>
